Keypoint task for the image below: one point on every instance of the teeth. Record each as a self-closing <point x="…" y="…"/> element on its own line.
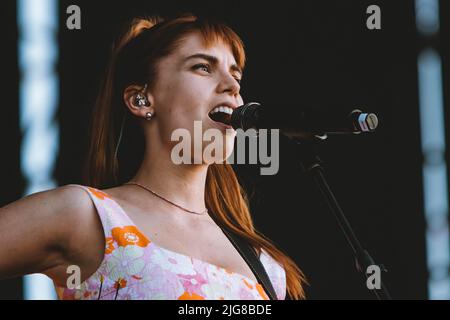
<point x="227" y="110"/>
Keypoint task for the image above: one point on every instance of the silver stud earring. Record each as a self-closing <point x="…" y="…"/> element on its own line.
<point x="148" y="116"/>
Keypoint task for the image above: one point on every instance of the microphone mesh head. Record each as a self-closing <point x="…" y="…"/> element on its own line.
<point x="243" y="116"/>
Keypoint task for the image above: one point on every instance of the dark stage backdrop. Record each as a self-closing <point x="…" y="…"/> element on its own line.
<point x="300" y="53"/>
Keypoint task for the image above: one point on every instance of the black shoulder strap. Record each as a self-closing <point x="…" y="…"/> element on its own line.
<point x="249" y="255"/>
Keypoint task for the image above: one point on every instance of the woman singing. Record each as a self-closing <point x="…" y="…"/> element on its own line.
<point x="157" y="234"/>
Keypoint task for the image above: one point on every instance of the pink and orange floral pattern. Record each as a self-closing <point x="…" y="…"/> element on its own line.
<point x="133" y="267"/>
<point x="129" y="235"/>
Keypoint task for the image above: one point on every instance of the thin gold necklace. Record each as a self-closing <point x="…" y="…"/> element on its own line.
<point x="167" y="200"/>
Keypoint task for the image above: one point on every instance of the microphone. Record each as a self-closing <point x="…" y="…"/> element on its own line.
<point x="300" y="123"/>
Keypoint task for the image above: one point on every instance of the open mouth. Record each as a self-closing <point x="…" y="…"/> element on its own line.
<point x="221" y="114"/>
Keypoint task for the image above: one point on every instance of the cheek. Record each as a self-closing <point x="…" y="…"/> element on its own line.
<point x="180" y="101"/>
<point x="181" y="105"/>
<point x="187" y="97"/>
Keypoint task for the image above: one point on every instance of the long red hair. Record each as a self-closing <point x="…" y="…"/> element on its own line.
<point x="133" y="60"/>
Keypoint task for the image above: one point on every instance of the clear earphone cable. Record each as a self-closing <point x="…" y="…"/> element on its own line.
<point x="120" y="136"/>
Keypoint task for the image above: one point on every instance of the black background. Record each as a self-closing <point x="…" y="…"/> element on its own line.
<point x="299" y="53"/>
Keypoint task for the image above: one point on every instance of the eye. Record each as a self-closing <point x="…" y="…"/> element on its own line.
<point x="203" y="67"/>
<point x="238" y="80"/>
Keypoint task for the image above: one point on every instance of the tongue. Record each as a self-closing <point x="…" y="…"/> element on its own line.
<point x="221" y="117"/>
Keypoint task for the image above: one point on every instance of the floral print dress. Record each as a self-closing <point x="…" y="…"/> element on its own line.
<point x="134" y="267"/>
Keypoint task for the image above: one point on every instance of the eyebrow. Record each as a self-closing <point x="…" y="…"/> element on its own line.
<point x="212" y="60"/>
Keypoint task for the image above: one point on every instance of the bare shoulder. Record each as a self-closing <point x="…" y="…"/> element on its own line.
<point x="74" y="199"/>
<point x="83" y="237"/>
<point x="72" y="213"/>
<point x="48" y="229"/>
<point x="79" y="211"/>
<point x="61" y="202"/>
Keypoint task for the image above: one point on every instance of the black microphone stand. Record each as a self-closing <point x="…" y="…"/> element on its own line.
<point x="311" y="164"/>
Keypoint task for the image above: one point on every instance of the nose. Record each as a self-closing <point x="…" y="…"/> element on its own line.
<point x="228" y="84"/>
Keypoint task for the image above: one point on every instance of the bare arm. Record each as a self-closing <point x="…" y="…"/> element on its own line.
<point x="43" y="232"/>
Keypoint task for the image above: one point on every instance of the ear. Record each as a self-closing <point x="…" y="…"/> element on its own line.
<point x="129" y="98"/>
